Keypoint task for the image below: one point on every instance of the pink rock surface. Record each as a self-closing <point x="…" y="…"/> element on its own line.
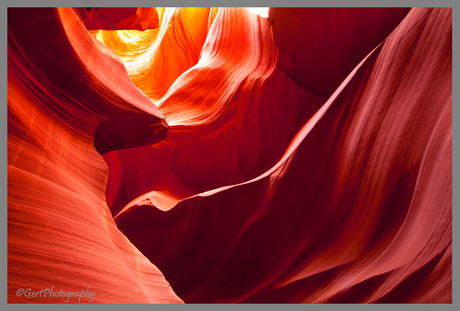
<point x="300" y="158"/>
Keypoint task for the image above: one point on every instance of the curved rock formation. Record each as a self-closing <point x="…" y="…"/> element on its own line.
<point x="118" y="18"/>
<point x="305" y="157"/>
<point x="60" y="231"/>
<point x="155" y="58"/>
<point x="319" y="47"/>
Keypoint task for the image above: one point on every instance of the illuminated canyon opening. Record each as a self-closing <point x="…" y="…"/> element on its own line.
<point x="227" y="155"/>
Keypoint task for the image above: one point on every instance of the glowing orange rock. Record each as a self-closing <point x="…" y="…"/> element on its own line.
<point x="176" y="48"/>
<point x="183" y="165"/>
<point x="60" y="230"/>
<point x="297" y="167"/>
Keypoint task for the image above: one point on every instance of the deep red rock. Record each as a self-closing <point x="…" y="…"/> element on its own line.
<point x="118" y="18"/>
<point x="319" y="47"/>
<point x="303" y="158"/>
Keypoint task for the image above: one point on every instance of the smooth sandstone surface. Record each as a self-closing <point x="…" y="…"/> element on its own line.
<point x="60" y="229"/>
<point x="222" y="157"/>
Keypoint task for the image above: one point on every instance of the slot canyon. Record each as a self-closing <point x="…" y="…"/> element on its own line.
<point x="228" y="155"/>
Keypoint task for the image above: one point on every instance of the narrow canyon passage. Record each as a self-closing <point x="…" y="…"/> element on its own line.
<point x="215" y="155"/>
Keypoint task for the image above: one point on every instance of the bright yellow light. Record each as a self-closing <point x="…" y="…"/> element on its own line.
<point x="260" y="11"/>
